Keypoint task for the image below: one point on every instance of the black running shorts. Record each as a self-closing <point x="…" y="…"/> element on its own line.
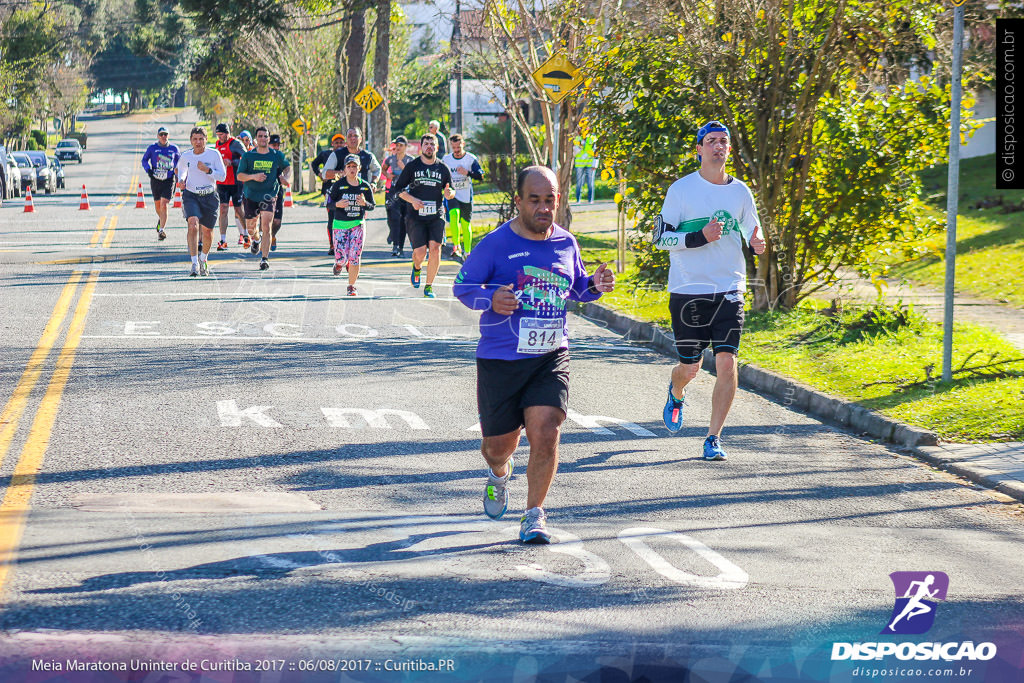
<point x="252" y="208"/>
<point x="465" y="209"/>
<point x="229" y="193"/>
<point x="506" y="388"/>
<point x="424" y="230"/>
<point x="161" y="189"/>
<point x="702" y="320"/>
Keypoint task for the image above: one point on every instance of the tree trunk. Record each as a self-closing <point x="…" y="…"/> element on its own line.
<point x="354" y="58"/>
<point x="381" y="116"/>
<point x="342" y="75"/>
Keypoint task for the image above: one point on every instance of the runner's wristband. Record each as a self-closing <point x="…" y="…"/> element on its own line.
<point x="695" y="239"/>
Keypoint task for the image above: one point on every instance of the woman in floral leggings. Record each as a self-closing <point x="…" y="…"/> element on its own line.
<point x="352" y="197"/>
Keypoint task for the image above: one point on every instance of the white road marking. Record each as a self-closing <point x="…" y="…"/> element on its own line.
<point x="376" y="419"/>
<point x="231" y="415"/>
<point x="731" y="577"/>
<point x="593" y="423"/>
<point x="595" y="570"/>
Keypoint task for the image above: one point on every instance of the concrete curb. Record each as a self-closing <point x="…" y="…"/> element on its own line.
<point x="923" y="444"/>
<point x="985" y="476"/>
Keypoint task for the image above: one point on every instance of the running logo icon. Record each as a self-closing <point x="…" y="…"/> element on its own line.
<point x="917" y="594"/>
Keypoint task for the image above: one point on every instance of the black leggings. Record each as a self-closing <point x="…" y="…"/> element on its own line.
<point x="396" y="223"/>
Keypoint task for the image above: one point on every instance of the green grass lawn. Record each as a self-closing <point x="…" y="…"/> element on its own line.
<point x="990" y="236"/>
<point x="846" y="353"/>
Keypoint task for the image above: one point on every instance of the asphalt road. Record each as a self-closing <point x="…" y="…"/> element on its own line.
<point x="253" y="465"/>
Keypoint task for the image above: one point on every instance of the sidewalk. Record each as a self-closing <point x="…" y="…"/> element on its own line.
<point x="997" y="465"/>
<point x="1003" y="318"/>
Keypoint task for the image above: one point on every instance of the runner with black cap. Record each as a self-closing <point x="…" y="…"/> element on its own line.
<point x="351" y="197"/>
<point x="393" y="167"/>
<point x="159" y="162"/>
<point x="704" y="221"/>
<point x="230" y="191"/>
<point x="337" y="142"/>
<point x="275" y="143"/>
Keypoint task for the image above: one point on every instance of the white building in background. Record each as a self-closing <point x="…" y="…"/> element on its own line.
<point x="482" y="102"/>
<point x="431" y="19"/>
<point x="984" y="140"/>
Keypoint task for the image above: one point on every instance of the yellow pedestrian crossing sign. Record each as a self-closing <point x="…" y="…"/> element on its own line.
<point x="301" y="125"/>
<point x="369" y="99"/>
<point x="558" y="77"/>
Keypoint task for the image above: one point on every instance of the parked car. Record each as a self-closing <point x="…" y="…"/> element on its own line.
<point x="46" y="178"/>
<point x="7" y="180"/>
<point x="28" y="173"/>
<point x="58" y="170"/>
<point x="14" y="173"/>
<point x="68" y="149"/>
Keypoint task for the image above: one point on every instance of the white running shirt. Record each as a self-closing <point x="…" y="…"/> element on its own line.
<point x="462" y="184"/>
<point x="718" y="266"/>
<point x="195" y="180"/>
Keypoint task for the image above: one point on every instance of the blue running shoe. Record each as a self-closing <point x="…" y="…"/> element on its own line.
<point x="533" y="527"/>
<point x="496" y="492"/>
<point x="415" y="278"/>
<point x="713" y="449"/>
<point x="428" y="291"/>
<point x="673" y="413"/>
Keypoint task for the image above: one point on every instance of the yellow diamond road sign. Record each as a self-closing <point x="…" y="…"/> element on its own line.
<point x="369" y="99"/>
<point x="301" y="125"/>
<point x="558" y="77"/>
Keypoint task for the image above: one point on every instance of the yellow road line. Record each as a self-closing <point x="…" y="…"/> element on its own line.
<point x="19" y="398"/>
<point x="72" y="261"/>
<point x="97" y="232"/>
<point x="15" y="506"/>
<point x="110" y="232"/>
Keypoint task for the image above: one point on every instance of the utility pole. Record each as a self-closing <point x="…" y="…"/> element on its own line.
<point x="953" y="190"/>
<point x="457" y="46"/>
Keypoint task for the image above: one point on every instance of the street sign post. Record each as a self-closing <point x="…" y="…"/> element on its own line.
<point x="369" y="99"/>
<point x="953" y="190"/>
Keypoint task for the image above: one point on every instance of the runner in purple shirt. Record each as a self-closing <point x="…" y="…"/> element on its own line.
<point x="521" y="275"/>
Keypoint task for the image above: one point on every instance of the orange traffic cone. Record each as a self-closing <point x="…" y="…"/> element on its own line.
<point x="177" y="199"/>
<point x="140" y="203"/>
<point x="288" y="198"/>
<point x="29" y="206"/>
<point x="231" y="201"/>
<point x="84" y="204"/>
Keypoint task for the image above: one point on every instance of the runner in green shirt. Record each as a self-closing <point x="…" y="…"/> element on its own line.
<point x="263" y="171"/>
